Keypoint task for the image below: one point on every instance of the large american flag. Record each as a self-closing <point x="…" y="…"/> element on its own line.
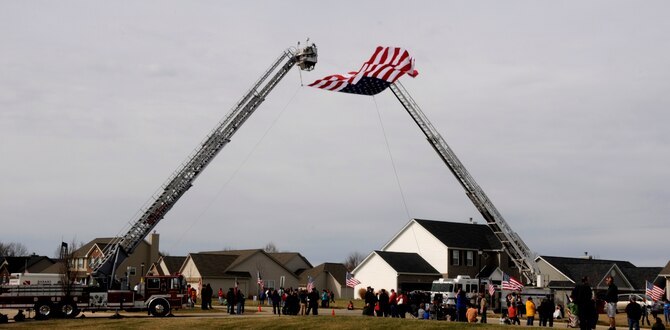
<point x="310" y="283"/>
<point x="654" y="292"/>
<point x="385" y="66"/>
<point x="351" y="281"/>
<point x="510" y="283"/>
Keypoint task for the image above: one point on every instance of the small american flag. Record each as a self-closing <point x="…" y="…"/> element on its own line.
<point x="260" y="280"/>
<point x="310" y="283"/>
<point x="386" y="65"/>
<point x="654" y="291"/>
<point x="492" y="289"/>
<point x="351" y="281"/>
<point x="510" y="283"/>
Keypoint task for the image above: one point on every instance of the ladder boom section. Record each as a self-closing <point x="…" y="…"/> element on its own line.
<point x="182" y="179"/>
<point x="515" y="247"/>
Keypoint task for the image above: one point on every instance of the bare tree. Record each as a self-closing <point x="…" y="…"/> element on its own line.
<point x="13" y="249"/>
<point x="270" y="248"/>
<point x="352" y="260"/>
<point x="68" y="275"/>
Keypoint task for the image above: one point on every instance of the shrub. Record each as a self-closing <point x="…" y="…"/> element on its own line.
<point x="361" y="293"/>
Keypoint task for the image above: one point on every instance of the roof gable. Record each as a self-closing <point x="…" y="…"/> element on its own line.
<point x="172" y="264"/>
<point x="666" y="270"/>
<point x="285" y="257"/>
<point x="337" y="270"/>
<point x="212" y="265"/>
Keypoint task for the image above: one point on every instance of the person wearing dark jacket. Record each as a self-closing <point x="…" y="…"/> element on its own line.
<point x="583" y="298"/>
<point x="275" y="298"/>
<point x="313" y="304"/>
<point x="546" y="311"/>
<point x="370" y="302"/>
<point x="634" y="313"/>
<point x="384" y="302"/>
<point x="611" y="297"/>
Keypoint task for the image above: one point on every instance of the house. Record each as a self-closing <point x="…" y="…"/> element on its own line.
<point x="453" y="248"/>
<point x="449" y="248"/>
<point x="128" y="271"/>
<point x="225" y="269"/>
<point x="388" y="270"/>
<point x="665" y="275"/>
<point x="329" y="276"/>
<point x="27" y="264"/>
<point x="561" y="274"/>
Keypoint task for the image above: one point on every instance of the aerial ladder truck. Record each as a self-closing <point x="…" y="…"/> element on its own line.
<point x="521" y="255"/>
<point x="182" y="179"/>
<point x="158" y="294"/>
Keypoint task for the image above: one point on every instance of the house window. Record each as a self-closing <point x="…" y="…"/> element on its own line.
<point x="270" y="284"/>
<point x="469" y="258"/>
<point x="455" y="257"/>
<point x="80" y="263"/>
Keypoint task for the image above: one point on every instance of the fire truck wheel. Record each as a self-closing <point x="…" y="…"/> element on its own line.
<point x="43" y="310"/>
<point x="159" y="307"/>
<point x="68" y="309"/>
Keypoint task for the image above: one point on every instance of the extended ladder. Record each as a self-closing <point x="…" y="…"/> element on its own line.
<point x="182" y="179"/>
<point x="521" y="255"/>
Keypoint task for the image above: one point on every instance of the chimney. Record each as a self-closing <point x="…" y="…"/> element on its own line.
<point x="154" y="244"/>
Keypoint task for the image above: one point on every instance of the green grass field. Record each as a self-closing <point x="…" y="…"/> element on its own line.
<point x="217" y="319"/>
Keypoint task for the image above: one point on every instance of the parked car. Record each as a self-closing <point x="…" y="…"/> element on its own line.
<point x="624" y="299"/>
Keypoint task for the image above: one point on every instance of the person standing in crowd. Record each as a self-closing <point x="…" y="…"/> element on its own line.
<point x="313" y="302"/>
<point x="384" y="302"/>
<point x="275" y="298"/>
<point x="325" y="299"/>
<point x="370" y="302"/>
<point x="530" y="311"/>
<point x="645" y="313"/>
<point x="461" y="305"/>
<point x="220" y="293"/>
<point x="239" y="301"/>
<point x="611" y="297"/>
<point x="666" y="310"/>
<point x="634" y="313"/>
<point x="546" y="311"/>
<point x="194" y="296"/>
<point x="402" y="304"/>
<point x="393" y="303"/>
<point x="483" y="304"/>
<point x="583" y="295"/>
<point x="203" y="300"/>
<point x="512" y="314"/>
<point x="303" y="301"/>
<point x="232" y="301"/>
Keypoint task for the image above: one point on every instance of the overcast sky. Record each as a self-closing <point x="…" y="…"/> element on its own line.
<point x="558" y="109"/>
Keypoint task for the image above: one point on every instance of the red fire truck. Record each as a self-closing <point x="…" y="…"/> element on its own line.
<point x="157" y="294"/>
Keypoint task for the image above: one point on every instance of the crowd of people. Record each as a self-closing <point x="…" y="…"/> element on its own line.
<point x="580" y="311"/>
